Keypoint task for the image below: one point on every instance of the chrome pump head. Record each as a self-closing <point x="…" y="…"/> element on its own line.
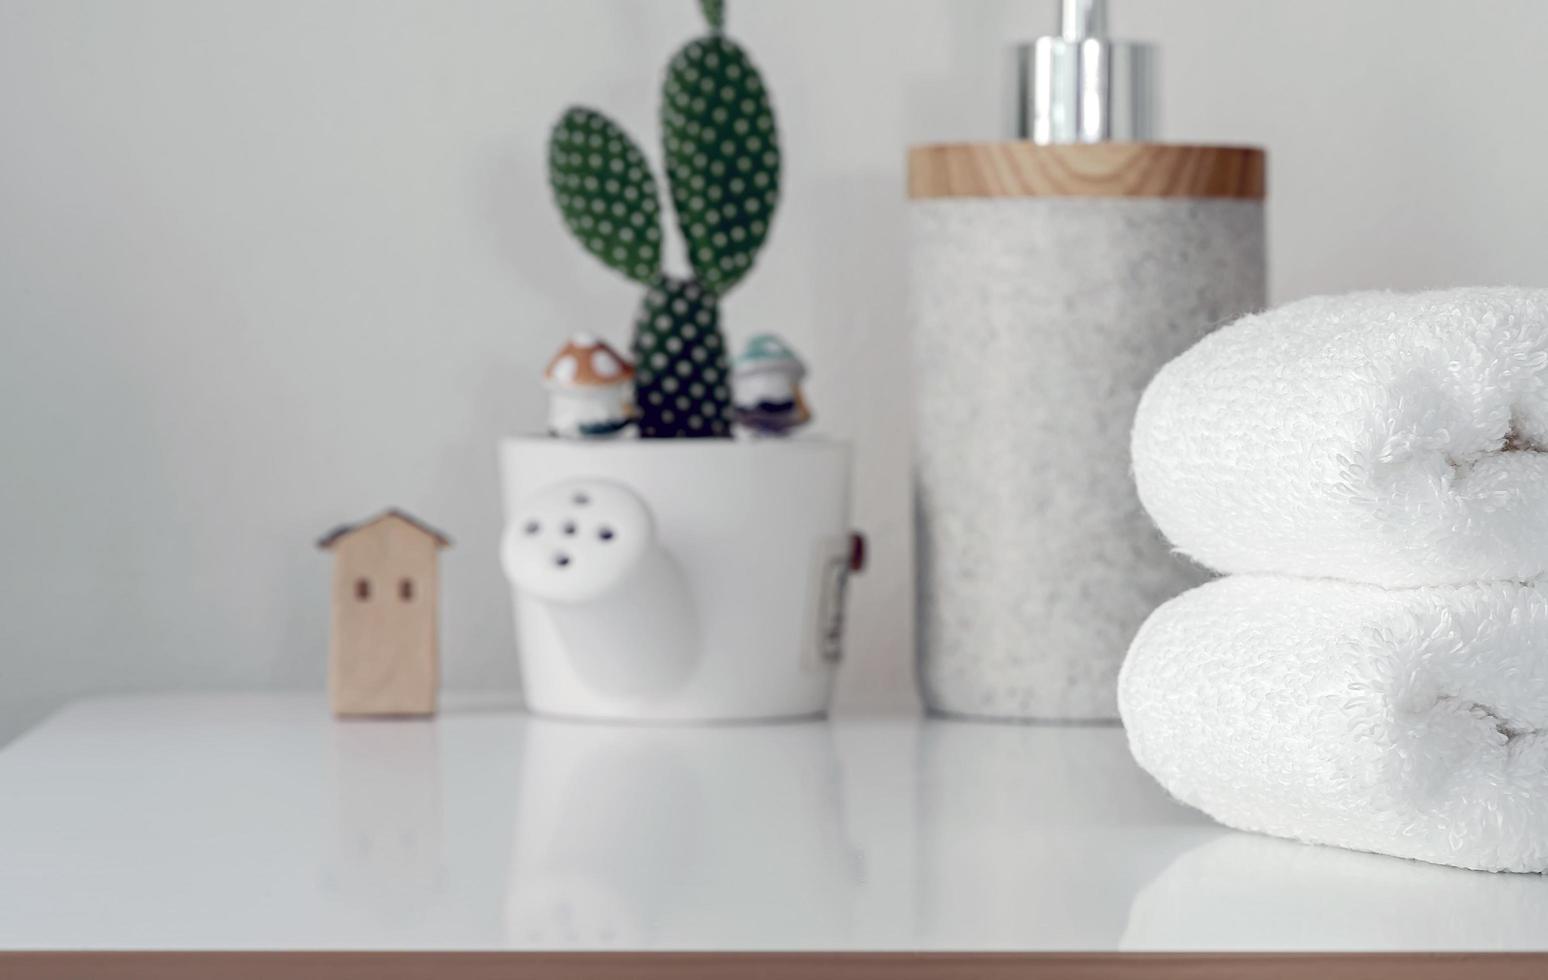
<point x="1082" y="86"/>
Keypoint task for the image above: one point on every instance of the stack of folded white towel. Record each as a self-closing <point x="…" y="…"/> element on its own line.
<point x="1372" y="471"/>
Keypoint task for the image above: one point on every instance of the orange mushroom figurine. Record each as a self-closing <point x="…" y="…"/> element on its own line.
<point x="590" y="390"/>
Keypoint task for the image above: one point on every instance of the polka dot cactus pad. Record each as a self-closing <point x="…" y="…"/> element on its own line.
<point x="682" y="381"/>
<point x="605" y="191"/>
<point x="722" y="164"/>
<point x="722" y="157"/>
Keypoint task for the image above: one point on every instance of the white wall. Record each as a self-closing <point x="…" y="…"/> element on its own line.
<point x="273" y="264"/>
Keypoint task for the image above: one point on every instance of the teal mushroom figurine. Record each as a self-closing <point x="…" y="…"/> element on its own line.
<point x="766" y="378"/>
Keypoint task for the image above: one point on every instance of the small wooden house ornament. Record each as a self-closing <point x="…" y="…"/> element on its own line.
<point x="383" y="658"/>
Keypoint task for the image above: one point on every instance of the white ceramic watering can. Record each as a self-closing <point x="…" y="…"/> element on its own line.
<point x="677" y="580"/>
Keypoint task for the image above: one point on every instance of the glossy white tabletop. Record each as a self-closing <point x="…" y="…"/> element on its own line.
<point x="259" y="822"/>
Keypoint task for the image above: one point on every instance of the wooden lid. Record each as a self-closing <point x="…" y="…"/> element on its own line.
<point x="1085" y="170"/>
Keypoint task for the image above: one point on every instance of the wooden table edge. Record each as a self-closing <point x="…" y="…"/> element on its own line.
<point x="235" y="965"/>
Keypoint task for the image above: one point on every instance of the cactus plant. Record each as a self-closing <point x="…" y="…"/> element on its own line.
<point x="721" y="150"/>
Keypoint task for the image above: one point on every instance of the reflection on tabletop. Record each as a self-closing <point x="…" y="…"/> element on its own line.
<point x="634" y="836"/>
<point x="1246" y="891"/>
<point x="252" y="822"/>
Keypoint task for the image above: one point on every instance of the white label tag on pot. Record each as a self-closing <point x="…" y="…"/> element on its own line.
<point x="825" y="603"/>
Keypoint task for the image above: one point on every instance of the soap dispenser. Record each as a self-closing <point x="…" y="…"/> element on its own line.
<point x="1052" y="273"/>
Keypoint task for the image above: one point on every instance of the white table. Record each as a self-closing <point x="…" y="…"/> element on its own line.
<point x="258" y="822"/>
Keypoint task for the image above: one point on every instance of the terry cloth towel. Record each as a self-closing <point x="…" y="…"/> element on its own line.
<point x="1375" y="437"/>
<point x="1409" y="722"/>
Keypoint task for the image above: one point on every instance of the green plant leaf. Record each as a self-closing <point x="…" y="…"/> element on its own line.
<point x="605" y="191"/>
<point x="682" y="373"/>
<point x="714" y="13"/>
<point x="722" y="157"/>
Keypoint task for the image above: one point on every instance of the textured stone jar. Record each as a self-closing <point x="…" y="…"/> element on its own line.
<point x="1047" y="285"/>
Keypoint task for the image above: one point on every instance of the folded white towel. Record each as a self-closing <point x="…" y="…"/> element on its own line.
<point x="1409" y="722"/>
<point x="1374" y="437"/>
